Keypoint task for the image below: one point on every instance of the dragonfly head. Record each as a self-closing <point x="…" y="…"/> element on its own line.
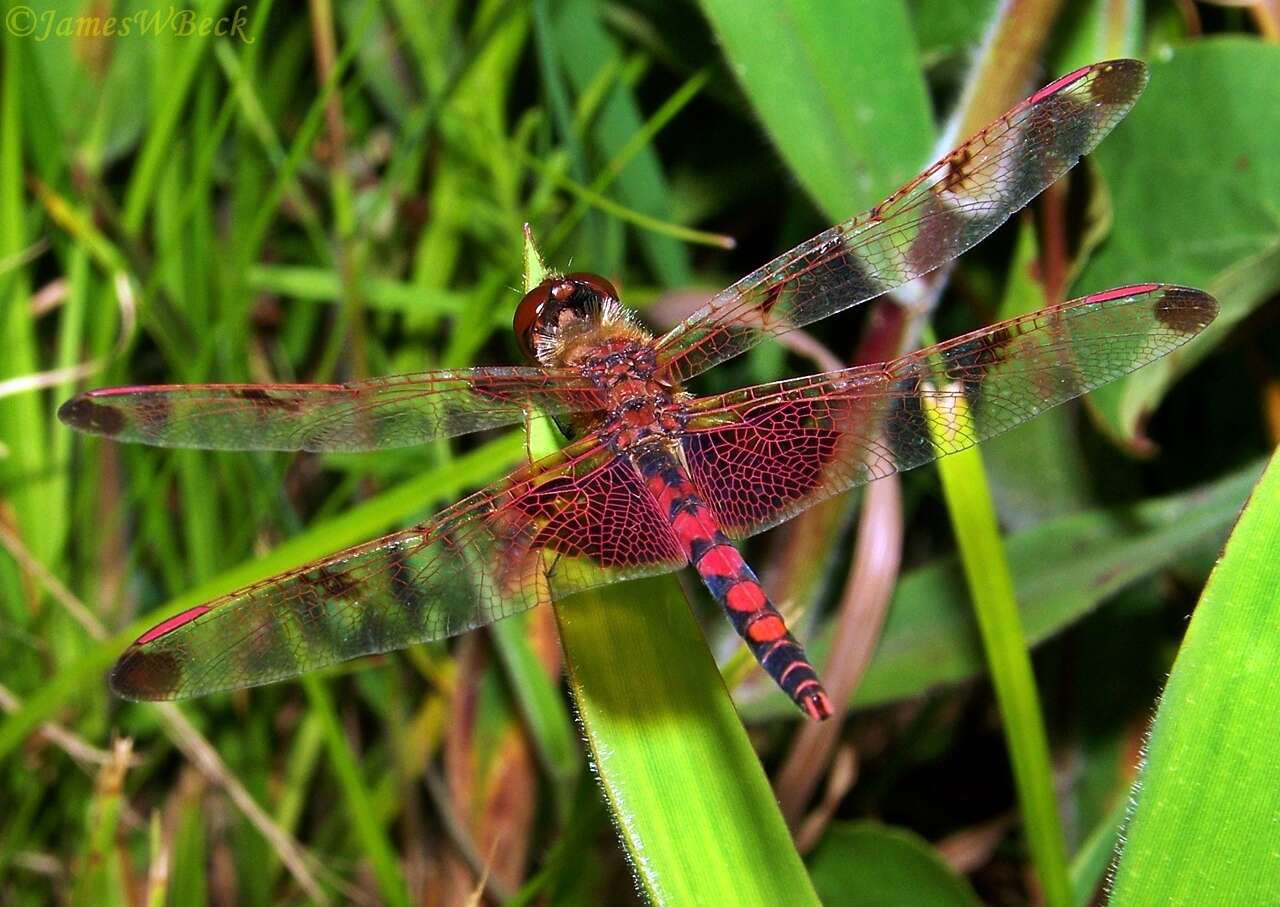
<point x="562" y="310"/>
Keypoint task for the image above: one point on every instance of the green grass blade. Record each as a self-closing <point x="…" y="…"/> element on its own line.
<point x="187" y="53"/>
<point x="24" y="469"/>
<point x="368" y="826"/>
<point x="1203" y="829"/>
<point x="973" y="519"/>
<point x="543" y="706"/>
<point x="585" y="49"/>
<point x="101" y="882"/>
<point x="188" y="881"/>
<point x="621" y="212"/>
<point x="640" y="142"/>
<point x="688" y="795"/>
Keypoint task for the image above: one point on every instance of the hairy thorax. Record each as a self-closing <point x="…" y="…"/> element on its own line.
<point x="642" y="408"/>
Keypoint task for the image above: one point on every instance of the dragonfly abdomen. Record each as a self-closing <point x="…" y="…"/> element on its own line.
<point x="732" y="582"/>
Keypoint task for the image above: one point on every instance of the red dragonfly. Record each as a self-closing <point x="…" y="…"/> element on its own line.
<point x="654" y="478"/>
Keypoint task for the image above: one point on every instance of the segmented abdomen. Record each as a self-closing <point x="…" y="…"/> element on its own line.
<point x="733" y="584"/>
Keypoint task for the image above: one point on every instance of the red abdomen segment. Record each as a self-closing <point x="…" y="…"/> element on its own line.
<point x="732" y="582"/>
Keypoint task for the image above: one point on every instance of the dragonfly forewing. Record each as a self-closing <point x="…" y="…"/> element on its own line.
<point x="943" y="212"/>
<point x="378" y="414"/>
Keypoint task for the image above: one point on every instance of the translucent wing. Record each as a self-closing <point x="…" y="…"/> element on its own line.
<point x="760" y="455"/>
<point x="577" y="519"/>
<point x="941" y="213"/>
<point x="366" y="415"/>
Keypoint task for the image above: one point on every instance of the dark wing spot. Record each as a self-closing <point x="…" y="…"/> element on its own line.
<point x="404" y="583"/>
<point x="1186" y="310"/>
<point x="144" y="674"/>
<point x="261" y="398"/>
<point x="158" y="410"/>
<point x="938" y="227"/>
<point x="335" y="584"/>
<point x="910" y="437"/>
<point x="970" y="361"/>
<point x="1115" y="83"/>
<point x="82" y="413"/>
<point x="845" y="273"/>
<point x="957" y="169"/>
<point x="772" y="295"/>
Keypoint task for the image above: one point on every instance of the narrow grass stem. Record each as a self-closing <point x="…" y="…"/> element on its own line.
<point x="986" y="570"/>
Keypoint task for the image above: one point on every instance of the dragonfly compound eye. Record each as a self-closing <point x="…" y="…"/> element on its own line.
<point x="596" y="284"/>
<point x="529" y="313"/>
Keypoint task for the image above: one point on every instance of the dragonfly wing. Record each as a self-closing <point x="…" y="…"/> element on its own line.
<point x="762" y="454"/>
<point x="365" y="415"/>
<point x="937" y="216"/>
<point x="577" y="519"/>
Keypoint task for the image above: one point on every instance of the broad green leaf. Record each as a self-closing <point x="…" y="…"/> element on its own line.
<point x="948" y="29"/>
<point x="1062" y="569"/>
<point x="1203" y="827"/>
<point x="838" y="88"/>
<point x="870" y="863"/>
<point x="686" y="789"/>
<point x="1194" y="178"/>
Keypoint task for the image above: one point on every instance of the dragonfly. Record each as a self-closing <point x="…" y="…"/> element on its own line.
<point x="654" y="478"/>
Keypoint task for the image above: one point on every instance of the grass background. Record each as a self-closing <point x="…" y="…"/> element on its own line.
<point x="338" y="191"/>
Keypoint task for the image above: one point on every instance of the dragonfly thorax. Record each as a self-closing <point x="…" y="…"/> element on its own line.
<point x="641" y="404"/>
<point x="643" y="419"/>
